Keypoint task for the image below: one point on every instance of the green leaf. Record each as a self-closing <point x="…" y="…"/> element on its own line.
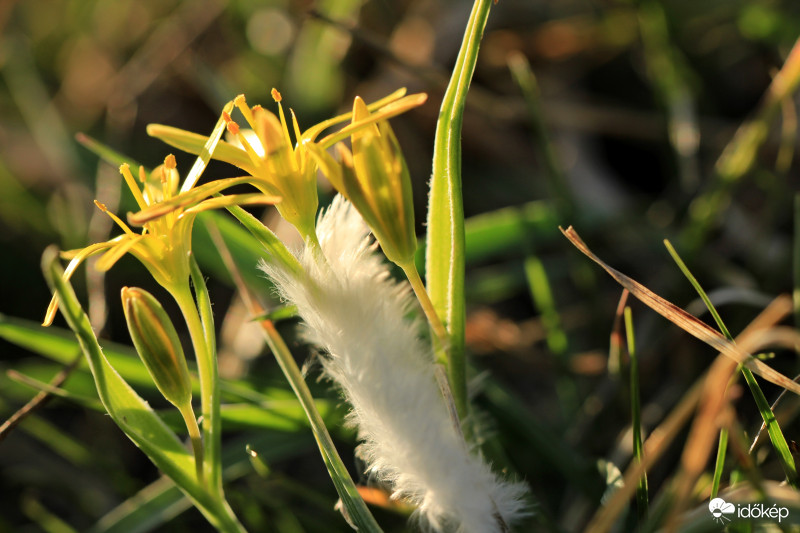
<point x="272" y="245"/>
<point x="445" y="253"/>
<point x="132" y="414"/>
<point x="105" y="152"/>
<point x="60" y="346"/>
<point x="357" y="513"/>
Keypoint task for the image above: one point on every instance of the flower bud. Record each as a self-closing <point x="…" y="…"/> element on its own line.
<point x="374" y="177"/>
<point x="158" y="345"/>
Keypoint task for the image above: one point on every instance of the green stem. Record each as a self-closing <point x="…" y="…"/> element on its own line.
<point x="197" y="441"/>
<point x="719" y="466"/>
<point x="642" y="497"/>
<point x="357" y="509"/>
<point x="776" y="436"/>
<point x="455" y="398"/>
<point x="410" y="269"/>
<point x="209" y="390"/>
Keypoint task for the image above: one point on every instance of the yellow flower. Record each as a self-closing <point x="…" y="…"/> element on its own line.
<point x="278" y="168"/>
<point x="266" y="151"/>
<point x="165" y="242"/>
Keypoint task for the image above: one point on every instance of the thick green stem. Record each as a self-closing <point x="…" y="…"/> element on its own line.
<point x="445" y="251"/>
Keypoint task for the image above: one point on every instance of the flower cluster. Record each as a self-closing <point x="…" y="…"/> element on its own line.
<point x="352" y="309"/>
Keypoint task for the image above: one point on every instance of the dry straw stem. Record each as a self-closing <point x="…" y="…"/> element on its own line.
<point x="687" y="322"/>
<point x="708" y="393"/>
<point x="715" y="400"/>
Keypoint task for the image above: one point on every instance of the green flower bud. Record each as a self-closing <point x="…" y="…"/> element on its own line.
<point x="374" y="177"/>
<point x="158" y="345"/>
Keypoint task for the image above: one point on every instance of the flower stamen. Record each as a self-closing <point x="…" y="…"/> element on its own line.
<point x="115" y="218"/>
<point x="125" y="170"/>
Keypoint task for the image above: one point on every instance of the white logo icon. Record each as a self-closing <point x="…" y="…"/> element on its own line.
<point x="719" y="508"/>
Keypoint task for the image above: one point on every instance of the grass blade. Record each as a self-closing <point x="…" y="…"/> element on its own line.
<point x="526" y="81"/>
<point x="740" y="154"/>
<point x="642" y="497"/>
<point x="773" y="428"/>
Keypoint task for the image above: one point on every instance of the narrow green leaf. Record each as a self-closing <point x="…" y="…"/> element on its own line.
<point x="356" y="511"/>
<point x="559" y="187"/>
<point x="542" y="296"/>
<point x="132" y="414"/>
<point x="445" y="252"/>
<point x="273" y="246"/>
<point x="105" y="152"/>
<point x="642" y="497"/>
<point x="719" y="465"/>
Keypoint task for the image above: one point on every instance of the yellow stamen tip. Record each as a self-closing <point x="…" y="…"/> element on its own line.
<point x="101" y="206"/>
<point x="170" y="162"/>
<point x="239" y="100"/>
<point x="142" y="175"/>
<point x="257" y="107"/>
<point x="124" y="167"/>
<point x="276" y="95"/>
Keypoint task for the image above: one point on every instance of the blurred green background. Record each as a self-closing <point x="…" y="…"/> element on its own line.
<point x="633" y="106"/>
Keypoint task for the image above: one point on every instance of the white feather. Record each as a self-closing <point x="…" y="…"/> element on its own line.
<point x="356" y="313"/>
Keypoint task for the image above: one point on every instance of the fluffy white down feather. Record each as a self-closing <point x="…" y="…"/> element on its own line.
<point x="356" y="313"/>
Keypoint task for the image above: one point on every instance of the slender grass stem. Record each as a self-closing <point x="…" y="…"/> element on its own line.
<point x="642" y="497"/>
<point x="526" y="81"/>
<point x="209" y="393"/>
<point x="341" y="478"/>
<point x="197" y="440"/>
<point x="719" y="465"/>
<point x="425" y="302"/>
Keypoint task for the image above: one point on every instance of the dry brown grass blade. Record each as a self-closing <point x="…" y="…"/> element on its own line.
<point x="709" y="392"/>
<point x="689" y="323"/>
